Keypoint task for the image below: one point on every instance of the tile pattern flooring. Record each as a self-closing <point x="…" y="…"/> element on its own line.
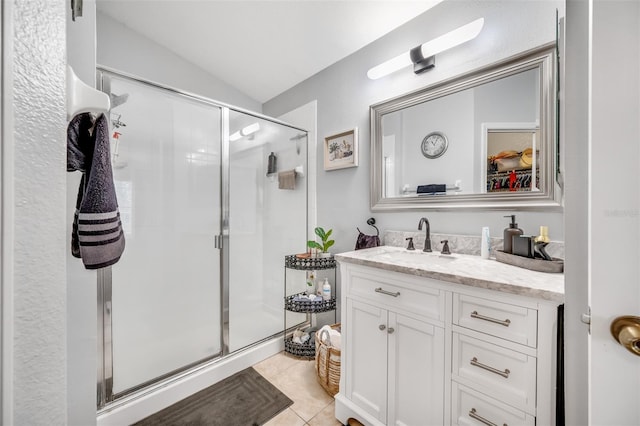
<point x="296" y="378"/>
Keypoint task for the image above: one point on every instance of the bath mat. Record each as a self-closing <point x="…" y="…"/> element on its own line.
<point x="246" y="398"/>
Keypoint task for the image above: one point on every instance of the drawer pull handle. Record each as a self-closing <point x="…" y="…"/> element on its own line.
<point x="388" y="293"/>
<point x="481" y="419"/>
<point x="504" y="373"/>
<point x="506" y="322"/>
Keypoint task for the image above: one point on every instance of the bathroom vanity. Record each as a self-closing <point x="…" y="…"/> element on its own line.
<point x="433" y="339"/>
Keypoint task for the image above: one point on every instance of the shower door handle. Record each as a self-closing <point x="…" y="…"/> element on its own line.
<point x="218" y="242"/>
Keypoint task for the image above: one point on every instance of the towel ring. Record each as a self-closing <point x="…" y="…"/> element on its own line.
<point x="371" y="221"/>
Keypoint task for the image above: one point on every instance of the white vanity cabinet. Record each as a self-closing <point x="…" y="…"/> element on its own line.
<point x="394" y="356"/>
<point x="419" y="351"/>
<point x="495" y="353"/>
<point x="397" y="373"/>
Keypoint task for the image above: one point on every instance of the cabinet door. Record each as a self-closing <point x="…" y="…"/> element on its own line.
<point x="416" y="372"/>
<point x="366" y="357"/>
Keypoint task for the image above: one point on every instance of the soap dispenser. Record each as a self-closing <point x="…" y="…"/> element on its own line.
<point x="509" y="233"/>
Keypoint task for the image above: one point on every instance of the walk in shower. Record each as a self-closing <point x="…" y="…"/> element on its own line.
<point x="207" y="224"/>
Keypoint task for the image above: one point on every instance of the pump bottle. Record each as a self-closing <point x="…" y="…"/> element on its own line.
<point x="326" y="290"/>
<point x="509" y="233"/>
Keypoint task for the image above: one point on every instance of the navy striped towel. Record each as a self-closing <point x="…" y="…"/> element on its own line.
<point x="97" y="235"/>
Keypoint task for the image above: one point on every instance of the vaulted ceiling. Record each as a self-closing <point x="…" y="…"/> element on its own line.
<point x="263" y="48"/>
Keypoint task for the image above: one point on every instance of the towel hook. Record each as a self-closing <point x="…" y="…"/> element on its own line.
<point x="84" y="98"/>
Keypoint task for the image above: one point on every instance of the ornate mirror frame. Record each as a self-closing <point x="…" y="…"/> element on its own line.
<point x="548" y="197"/>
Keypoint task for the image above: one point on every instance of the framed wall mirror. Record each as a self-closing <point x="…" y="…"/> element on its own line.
<point x="485" y="140"/>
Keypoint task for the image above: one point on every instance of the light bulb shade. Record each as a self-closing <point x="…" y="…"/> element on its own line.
<point x="250" y="129"/>
<point x="453" y="38"/>
<point x="245" y="131"/>
<point x="428" y="50"/>
<point x="390" y="66"/>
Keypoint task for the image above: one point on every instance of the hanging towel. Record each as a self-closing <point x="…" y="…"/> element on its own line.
<point x="366" y="241"/>
<point x="97" y="235"/>
<point x="287" y="180"/>
<point x="432" y="189"/>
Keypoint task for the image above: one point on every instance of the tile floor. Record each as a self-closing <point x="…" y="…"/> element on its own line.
<point x="296" y="378"/>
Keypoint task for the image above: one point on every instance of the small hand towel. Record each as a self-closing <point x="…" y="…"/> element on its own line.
<point x="97" y="235"/>
<point x="366" y="241"/>
<point x="287" y="180"/>
<point x="432" y="189"/>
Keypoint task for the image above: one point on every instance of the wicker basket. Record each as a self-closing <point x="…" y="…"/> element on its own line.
<point x="328" y="364"/>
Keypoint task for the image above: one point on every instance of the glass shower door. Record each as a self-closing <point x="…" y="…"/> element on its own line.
<point x="166" y="291"/>
<point x="267" y="220"/>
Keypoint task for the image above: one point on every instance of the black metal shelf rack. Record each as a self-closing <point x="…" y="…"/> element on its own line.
<point x="294" y="303"/>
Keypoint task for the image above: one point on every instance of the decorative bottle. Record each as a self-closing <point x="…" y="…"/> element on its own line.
<point x="311" y="282"/>
<point x="485" y="243"/>
<point x="326" y="290"/>
<point x="319" y="284"/>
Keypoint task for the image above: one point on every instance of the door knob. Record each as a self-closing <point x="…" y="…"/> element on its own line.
<point x="626" y="330"/>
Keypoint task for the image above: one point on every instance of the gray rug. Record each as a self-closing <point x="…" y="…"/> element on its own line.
<point x="244" y="399"/>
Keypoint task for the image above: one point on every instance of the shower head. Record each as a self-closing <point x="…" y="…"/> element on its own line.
<point x="297" y="138"/>
<point x="117" y="100"/>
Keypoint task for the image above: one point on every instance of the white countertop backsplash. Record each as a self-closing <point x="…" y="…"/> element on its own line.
<point x="461" y="244"/>
<point x="460" y="268"/>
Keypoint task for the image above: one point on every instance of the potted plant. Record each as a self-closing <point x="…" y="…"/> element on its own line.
<point x="324" y="238"/>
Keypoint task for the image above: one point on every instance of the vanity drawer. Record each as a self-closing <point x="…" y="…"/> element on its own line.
<point x="511" y="322"/>
<point x="502" y="373"/>
<point x="470" y="407"/>
<point x="424" y="301"/>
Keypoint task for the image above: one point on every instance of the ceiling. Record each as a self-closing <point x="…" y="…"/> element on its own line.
<point x="263" y="48"/>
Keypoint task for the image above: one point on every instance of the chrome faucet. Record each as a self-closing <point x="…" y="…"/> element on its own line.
<point x="427" y="238"/>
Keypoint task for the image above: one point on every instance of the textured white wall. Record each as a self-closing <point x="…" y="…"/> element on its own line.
<point x="344" y="93"/>
<point x="125" y="50"/>
<point x="37" y="67"/>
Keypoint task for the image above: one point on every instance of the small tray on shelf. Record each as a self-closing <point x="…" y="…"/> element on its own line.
<point x="292" y="261"/>
<point x="303" y="350"/>
<point x="293" y="303"/>
<point x="540" y="265"/>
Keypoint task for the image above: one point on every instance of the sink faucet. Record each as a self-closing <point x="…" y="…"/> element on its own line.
<point x="427" y="238"/>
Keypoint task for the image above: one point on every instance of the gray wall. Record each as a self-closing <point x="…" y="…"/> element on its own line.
<point x="344" y="93"/>
<point x="418" y="121"/>
<point x="123" y="49"/>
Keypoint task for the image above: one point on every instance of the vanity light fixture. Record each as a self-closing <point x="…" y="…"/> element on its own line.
<point x="423" y="56"/>
<point x="245" y="131"/>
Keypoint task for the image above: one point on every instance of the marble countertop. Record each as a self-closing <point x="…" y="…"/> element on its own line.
<point x="461" y="269"/>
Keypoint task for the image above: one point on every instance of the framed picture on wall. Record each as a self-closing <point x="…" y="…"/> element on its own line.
<point x="341" y="150"/>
